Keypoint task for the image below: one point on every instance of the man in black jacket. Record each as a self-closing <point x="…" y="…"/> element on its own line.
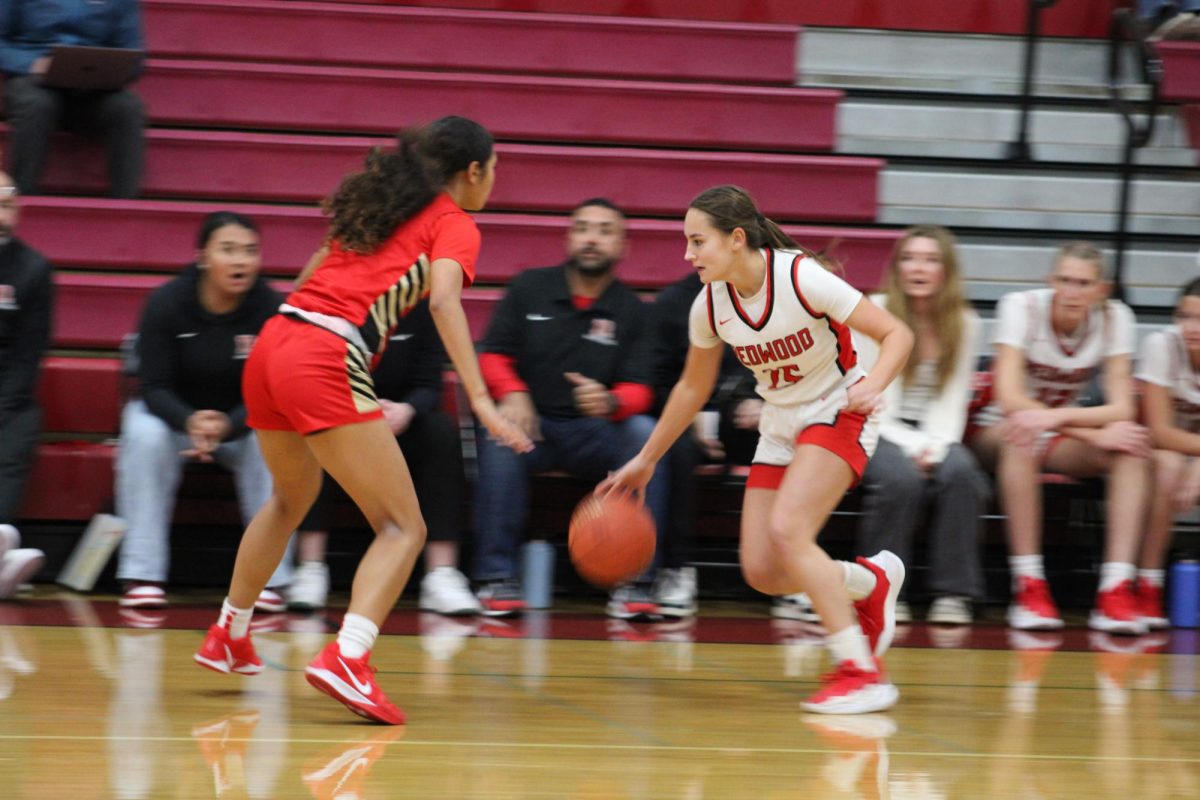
<point x="567" y="357"/>
<point x="26" y="297"/>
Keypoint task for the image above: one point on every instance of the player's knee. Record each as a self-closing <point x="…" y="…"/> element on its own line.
<point x="761" y="574"/>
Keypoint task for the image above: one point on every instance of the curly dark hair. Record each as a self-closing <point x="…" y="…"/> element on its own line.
<point x="395" y="185"/>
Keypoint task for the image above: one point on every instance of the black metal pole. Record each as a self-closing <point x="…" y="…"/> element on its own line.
<point x="1019" y="150"/>
<point x="1123" y="215"/>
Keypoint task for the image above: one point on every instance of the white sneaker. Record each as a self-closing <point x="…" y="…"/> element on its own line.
<point x="794" y="606"/>
<point x="950" y="610"/>
<point x="9" y="539"/>
<point x="17" y="567"/>
<point x="903" y="612"/>
<point x="675" y="592"/>
<point x="310" y="586"/>
<point x="445" y="590"/>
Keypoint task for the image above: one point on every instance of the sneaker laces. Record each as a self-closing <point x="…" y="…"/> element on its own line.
<point x="1120" y="602"/>
<point x="1035" y="596"/>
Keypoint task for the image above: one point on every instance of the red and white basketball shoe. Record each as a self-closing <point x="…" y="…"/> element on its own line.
<point x="1118" y="611"/>
<point x="1032" y="607"/>
<point x="1150" y="606"/>
<point x="877" y="611"/>
<point x="221" y="653"/>
<point x="852" y="690"/>
<point x="351" y="681"/>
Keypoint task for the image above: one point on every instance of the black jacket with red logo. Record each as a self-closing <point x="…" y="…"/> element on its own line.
<point x="26" y="300"/>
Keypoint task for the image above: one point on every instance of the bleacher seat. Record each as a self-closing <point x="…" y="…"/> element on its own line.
<point x="80" y="395"/>
<point x="1181" y="72"/>
<point x="405" y="37"/>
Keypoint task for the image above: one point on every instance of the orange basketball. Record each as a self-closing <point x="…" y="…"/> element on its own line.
<point x="611" y="539"/>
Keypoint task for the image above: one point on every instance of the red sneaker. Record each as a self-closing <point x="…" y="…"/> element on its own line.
<point x="1032" y="607"/>
<point x="1150" y="602"/>
<point x="851" y="690"/>
<point x="877" y="611"/>
<point x="223" y="654"/>
<point x="1118" y="611"/>
<point x="351" y="681"/>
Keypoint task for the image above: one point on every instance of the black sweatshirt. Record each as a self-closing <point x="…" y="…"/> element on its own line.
<point x="26" y="302"/>
<point x="410" y="370"/>
<point x="190" y="359"/>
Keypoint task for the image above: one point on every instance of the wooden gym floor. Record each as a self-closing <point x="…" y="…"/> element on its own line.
<point x="96" y="704"/>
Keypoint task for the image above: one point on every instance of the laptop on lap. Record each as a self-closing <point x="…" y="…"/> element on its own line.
<point x="96" y="68"/>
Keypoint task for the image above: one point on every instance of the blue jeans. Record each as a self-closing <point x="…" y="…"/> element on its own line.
<point x="1148" y="9"/>
<point x="585" y="447"/>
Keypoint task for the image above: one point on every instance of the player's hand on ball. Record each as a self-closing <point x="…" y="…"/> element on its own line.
<point x="628" y="480"/>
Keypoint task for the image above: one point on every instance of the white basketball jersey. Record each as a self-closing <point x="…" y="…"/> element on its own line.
<point x="1057" y="369"/>
<point x="792" y="335"/>
<point x="1164" y="361"/>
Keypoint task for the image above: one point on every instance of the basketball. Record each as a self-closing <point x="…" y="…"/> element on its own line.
<point x="611" y="539"/>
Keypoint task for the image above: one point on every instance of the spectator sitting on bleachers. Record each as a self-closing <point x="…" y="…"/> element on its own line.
<point x="920" y="457"/>
<point x="26" y="299"/>
<point x="195" y="334"/>
<point x="1169" y="374"/>
<point x="567" y="357"/>
<point x="28" y="32"/>
<point x="410" y="371"/>
<point x="675" y="590"/>
<point x="1049" y="344"/>
<point x="1171" y="19"/>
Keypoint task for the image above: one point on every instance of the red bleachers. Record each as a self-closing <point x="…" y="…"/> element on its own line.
<point x="1065" y="18"/>
<point x="69" y="481"/>
<point x="382" y="36"/>
<point x="345" y="99"/>
<point x="1181" y="72"/>
<point x="278" y="167"/>
<point x="129" y="235"/>
<point x="80" y="395"/>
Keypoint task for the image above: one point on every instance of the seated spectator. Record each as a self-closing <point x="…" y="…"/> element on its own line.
<point x="567" y="357"/>
<point x="1049" y="344"/>
<point x="410" y="371"/>
<point x="28" y="31"/>
<point x="26" y="296"/>
<point x="920" y="459"/>
<point x="1169" y="374"/>
<point x="195" y="334"/>
<point x="676" y="588"/>
<point x="1170" y="19"/>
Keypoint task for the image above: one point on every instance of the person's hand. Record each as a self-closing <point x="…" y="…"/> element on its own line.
<point x="207" y="429"/>
<point x="592" y="397"/>
<point x="862" y="399"/>
<point x="925" y="463"/>
<point x="630" y="479"/>
<point x="499" y="428"/>
<point x="398" y="416"/>
<point x="1124" y="437"/>
<point x="1023" y="428"/>
<point x="39" y="66"/>
<point x="747" y="414"/>
<point x="518" y="408"/>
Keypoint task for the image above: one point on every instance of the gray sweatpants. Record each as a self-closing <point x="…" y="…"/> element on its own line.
<point x="149" y="468"/>
<point x="895" y="491"/>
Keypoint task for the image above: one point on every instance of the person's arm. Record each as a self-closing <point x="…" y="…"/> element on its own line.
<point x="690" y="394"/>
<point x="128" y="32"/>
<point x="445" y="304"/>
<point x="314" y="261"/>
<point x="16" y="56"/>
<point x="1159" y="412"/>
<point x="895" y="343"/>
<point x="18" y="379"/>
<point x="157" y="378"/>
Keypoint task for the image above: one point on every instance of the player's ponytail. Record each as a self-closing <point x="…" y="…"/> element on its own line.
<point x="396" y="184"/>
<point x="730" y="207"/>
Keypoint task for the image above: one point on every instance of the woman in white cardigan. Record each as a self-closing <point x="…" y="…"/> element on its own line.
<point x="920" y="459"/>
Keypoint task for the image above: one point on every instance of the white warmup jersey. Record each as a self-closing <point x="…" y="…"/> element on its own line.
<point x="1164" y="361"/>
<point x="1057" y="369"/>
<point x="792" y="335"/>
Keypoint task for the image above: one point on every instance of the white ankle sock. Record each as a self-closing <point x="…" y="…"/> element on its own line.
<point x="1113" y="573"/>
<point x="1154" y="577"/>
<point x="850" y="644"/>
<point x="859" y="581"/>
<point x="237" y="620"/>
<point x="1026" y="567"/>
<point x="357" y="636"/>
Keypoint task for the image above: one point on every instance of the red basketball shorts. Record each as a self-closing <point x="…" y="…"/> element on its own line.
<point x="303" y="378"/>
<point x="824" y="423"/>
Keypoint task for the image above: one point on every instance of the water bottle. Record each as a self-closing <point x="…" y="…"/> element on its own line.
<point x="537" y="573"/>
<point x="1185" y="594"/>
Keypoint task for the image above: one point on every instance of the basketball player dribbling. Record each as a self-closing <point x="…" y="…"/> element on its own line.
<point x="789" y="320"/>
<point x="399" y="234"/>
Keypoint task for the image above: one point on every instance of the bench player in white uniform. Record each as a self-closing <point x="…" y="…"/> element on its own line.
<point x="1169" y="372"/>
<point x="789" y="320"/>
<point x="1049" y="344"/>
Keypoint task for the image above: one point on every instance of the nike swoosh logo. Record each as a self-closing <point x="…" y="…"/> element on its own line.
<point x="363" y="687"/>
<point x="400" y="337"/>
<point x="228" y="655"/>
<point x="186" y="335"/>
<point x="537" y="317"/>
<point x="722" y="322"/>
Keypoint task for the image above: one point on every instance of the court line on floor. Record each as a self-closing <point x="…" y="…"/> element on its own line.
<point x="619" y="747"/>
